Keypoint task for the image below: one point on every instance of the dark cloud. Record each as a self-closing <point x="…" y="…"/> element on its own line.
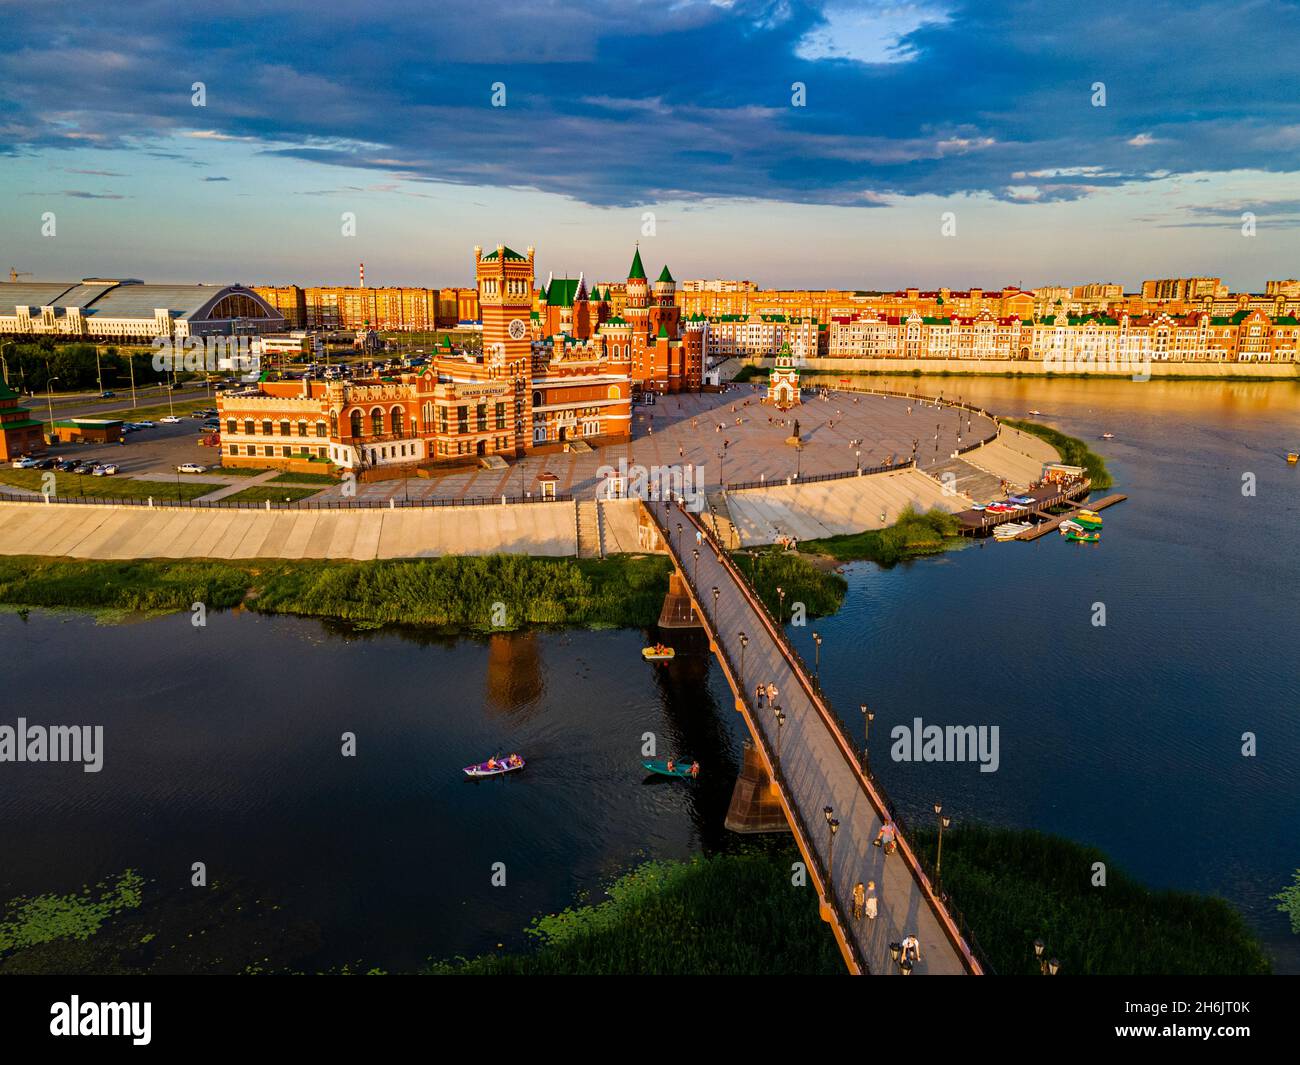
<point x="628" y="103"/>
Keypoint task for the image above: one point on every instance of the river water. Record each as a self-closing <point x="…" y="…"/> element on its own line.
<point x="223" y="744"/>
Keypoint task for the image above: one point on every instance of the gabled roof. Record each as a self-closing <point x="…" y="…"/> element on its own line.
<point x="507" y="253"/>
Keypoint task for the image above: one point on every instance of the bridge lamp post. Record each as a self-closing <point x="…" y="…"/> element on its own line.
<point x="944" y="822"/>
<point x="780" y="728"/>
<point x="780" y="594"/>
<point x="679" y="537"/>
<point x="695" y="572"/>
<point x="716" y="592"/>
<point x="868" y="716"/>
<point x="832" y="826"/>
<point x="1046" y="966"/>
<point x="817" y="658"/>
<point x="744" y="642"/>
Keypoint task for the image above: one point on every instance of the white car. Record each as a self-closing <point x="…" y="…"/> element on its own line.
<point x="105" y="469"/>
<point x="169" y="419"/>
<point x="147" y="425"/>
<point x="191" y="467"/>
<point x="23" y="463"/>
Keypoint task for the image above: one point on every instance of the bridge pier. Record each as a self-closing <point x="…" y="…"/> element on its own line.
<point x="678" y="610"/>
<point x="755" y="806"/>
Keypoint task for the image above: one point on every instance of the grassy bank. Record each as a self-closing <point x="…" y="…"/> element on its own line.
<point x="452" y="593"/>
<point x="820" y="590"/>
<point x="913" y="535"/>
<point x="735" y="914"/>
<point x="1071" y="449"/>
<point x="73" y="485"/>
<point x="1016" y="886"/>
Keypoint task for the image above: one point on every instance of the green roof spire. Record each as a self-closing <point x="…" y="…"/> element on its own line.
<point x="637" y="273"/>
<point x="664" y="275"/>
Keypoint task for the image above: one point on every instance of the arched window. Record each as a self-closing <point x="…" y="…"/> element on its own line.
<point x="537" y="399"/>
<point x="377" y="421"/>
<point x="426" y="417"/>
<point x="395" y="420"/>
<point x="356" y="424"/>
<point x="334" y="424"/>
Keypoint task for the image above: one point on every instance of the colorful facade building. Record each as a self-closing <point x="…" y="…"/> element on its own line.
<point x="20" y="433"/>
<point x="518" y="393"/>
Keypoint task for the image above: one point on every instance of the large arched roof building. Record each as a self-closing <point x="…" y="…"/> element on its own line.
<point x="126" y="309"/>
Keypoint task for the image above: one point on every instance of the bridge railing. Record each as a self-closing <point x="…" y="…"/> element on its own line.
<point x="298" y="504"/>
<point x="958" y="929"/>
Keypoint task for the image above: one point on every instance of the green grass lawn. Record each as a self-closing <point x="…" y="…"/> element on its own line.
<point x="819" y="590"/>
<point x="276" y="493"/>
<point x="238" y="471"/>
<point x="913" y="535"/>
<point x="116" y="487"/>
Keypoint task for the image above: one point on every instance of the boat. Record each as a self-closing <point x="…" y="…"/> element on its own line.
<point x="1034" y="410"/>
<point x="658" y="653"/>
<point x="1089" y="519"/>
<point x="1293" y="457"/>
<point x="1010" y="530"/>
<point x="1070" y="525"/>
<point x="681" y="767"/>
<point x="498" y="767"/>
<point x="1084" y="536"/>
<point x="1108" y="436"/>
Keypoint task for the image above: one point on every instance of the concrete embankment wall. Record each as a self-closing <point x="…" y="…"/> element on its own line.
<point x="1003" y="367"/>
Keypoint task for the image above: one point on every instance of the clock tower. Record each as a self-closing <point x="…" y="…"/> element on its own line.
<point x="505" y="296"/>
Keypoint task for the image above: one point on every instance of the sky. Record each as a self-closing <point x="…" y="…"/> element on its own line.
<point x="833" y="144"/>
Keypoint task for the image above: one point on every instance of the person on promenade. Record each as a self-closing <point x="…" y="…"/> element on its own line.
<point x="887" y="836"/>
<point x="771" y="693"/>
<point x="859" y="901"/>
<point x="911" y="948"/>
<point x="759" y="692"/>
<point x="871" y="900"/>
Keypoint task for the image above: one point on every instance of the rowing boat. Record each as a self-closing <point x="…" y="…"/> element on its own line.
<point x="658" y="653"/>
<point x="498" y="767"/>
<point x="681" y="768"/>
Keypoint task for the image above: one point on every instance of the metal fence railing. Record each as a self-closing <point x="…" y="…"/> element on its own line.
<point x="271" y="504"/>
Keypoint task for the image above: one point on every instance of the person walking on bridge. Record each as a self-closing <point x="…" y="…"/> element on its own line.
<point x="859" y="901"/>
<point x="871" y="900"/>
<point x="911" y="948"/>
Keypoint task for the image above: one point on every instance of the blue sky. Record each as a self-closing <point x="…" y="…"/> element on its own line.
<point x="684" y="109"/>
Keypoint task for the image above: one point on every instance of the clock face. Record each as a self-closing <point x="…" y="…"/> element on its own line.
<point x="517" y="329"/>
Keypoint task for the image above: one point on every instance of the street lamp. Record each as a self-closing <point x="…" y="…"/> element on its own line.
<point x="679" y="537"/>
<point x="817" y="658"/>
<point x="1046" y="966"/>
<point x="832" y="826"/>
<point x="716" y="593"/>
<point x="49" y="396"/>
<point x="944" y="822"/>
<point x="780" y="595"/>
<point x="744" y="642"/>
<point x="780" y="726"/>
<point x="695" y="571"/>
<point x="868" y="716"/>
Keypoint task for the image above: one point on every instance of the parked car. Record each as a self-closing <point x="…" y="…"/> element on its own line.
<point x="65" y="465"/>
<point x="191" y="467"/>
<point x="169" y="419"/>
<point x="25" y="462"/>
<point x="44" y="464"/>
<point x="145" y="424"/>
<point x="83" y="467"/>
<point x="198" y="414"/>
<point x="105" y="469"/>
<point x="108" y="395"/>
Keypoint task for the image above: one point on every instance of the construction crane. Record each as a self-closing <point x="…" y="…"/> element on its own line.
<point x="15" y="273"/>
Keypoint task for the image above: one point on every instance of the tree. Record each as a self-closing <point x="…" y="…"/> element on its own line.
<point x="1289" y="900"/>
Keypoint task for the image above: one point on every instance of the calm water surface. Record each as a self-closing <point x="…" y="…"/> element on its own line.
<point x="223" y="743"/>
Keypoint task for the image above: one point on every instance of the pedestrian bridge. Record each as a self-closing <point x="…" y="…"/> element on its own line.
<point x="811" y="766"/>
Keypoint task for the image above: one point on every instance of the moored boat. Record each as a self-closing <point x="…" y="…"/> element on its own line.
<point x="1089" y="519"/>
<point x="1010" y="530"/>
<point x="1084" y="536"/>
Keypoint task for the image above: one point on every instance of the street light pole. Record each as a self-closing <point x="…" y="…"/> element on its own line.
<point x="49" y="397"/>
<point x="944" y="822"/>
<point x="780" y="594"/>
<point x="868" y="716"/>
<point x="744" y="642"/>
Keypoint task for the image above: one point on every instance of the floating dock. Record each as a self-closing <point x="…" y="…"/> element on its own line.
<point x="1054" y="520"/>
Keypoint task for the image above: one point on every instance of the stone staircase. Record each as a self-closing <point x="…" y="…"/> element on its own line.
<point x="979" y="484"/>
<point x="590" y="525"/>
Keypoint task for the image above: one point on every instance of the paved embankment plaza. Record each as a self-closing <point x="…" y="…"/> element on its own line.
<point x="685" y="430"/>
